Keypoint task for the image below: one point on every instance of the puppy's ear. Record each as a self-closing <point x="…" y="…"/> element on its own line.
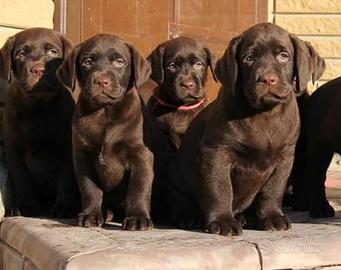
<point x="66" y="73"/>
<point x="6" y="59"/>
<point x="67" y="46"/>
<point x="308" y="64"/>
<point x="211" y="62"/>
<point x="318" y="64"/>
<point x="156" y="62"/>
<point x="141" y="68"/>
<point x="227" y="66"/>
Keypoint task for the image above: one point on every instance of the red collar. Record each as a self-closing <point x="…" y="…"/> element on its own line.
<point x="179" y="108"/>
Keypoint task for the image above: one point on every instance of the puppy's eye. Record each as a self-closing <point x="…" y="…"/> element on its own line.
<point x="21" y="54"/>
<point x="87" y="62"/>
<point x="171" y="66"/>
<point x="118" y="62"/>
<point x="197" y="65"/>
<point x="52" y="53"/>
<point x="249" y="59"/>
<point x="283" y="57"/>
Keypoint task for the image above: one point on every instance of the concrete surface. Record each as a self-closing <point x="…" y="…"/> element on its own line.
<point x="28" y="243"/>
<point x="43" y="244"/>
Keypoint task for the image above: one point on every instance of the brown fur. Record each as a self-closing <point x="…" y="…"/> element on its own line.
<point x="179" y="68"/>
<point x="238" y="152"/>
<point x="37" y="125"/>
<point x="114" y="168"/>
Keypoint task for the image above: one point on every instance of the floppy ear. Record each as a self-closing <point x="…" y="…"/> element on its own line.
<point x="156" y="62"/>
<point x="66" y="73"/>
<point x="318" y="64"/>
<point x="67" y="46"/>
<point x="211" y="62"/>
<point x="308" y="63"/>
<point x="227" y="66"/>
<point x="141" y="68"/>
<point x="6" y="59"/>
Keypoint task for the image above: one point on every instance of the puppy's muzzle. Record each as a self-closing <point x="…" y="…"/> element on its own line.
<point x="106" y="87"/>
<point x="188" y="84"/>
<point x="269" y="79"/>
<point x="37" y="70"/>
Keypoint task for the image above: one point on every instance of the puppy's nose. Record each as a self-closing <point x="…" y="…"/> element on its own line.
<point x="190" y="84"/>
<point x="269" y="79"/>
<point x="103" y="82"/>
<point x="38" y="70"/>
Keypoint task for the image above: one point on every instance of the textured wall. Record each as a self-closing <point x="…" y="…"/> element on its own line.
<point x="16" y="15"/>
<point x="318" y="21"/>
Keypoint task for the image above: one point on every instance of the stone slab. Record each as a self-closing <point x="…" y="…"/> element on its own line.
<point x="52" y="244"/>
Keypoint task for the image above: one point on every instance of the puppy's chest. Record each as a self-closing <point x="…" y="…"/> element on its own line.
<point x="175" y="122"/>
<point x="261" y="142"/>
<point x="89" y="131"/>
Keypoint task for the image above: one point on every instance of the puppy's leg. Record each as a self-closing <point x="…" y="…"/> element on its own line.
<point x="318" y="160"/>
<point x="217" y="193"/>
<point x="25" y="199"/>
<point x="269" y="200"/>
<point x="139" y="190"/>
<point x="67" y="203"/>
<point x="91" y="194"/>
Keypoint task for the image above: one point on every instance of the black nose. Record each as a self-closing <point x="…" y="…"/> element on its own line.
<point x="189" y="84"/>
<point x="38" y="70"/>
<point x="269" y="79"/>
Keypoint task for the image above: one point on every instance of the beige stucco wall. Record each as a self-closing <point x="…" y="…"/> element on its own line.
<point x="16" y="15"/>
<point x="318" y="21"/>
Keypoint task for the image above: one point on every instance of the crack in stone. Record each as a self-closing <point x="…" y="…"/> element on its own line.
<point x="259" y="252"/>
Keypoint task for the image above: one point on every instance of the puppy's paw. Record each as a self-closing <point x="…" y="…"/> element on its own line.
<point x="275" y="222"/>
<point x="90" y="219"/>
<point x="228" y="226"/>
<point x="322" y="209"/>
<point x="137" y="224"/>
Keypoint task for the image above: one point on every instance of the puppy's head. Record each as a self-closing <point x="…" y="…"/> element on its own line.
<point x="105" y="67"/>
<point x="31" y="55"/>
<point x="180" y="67"/>
<point x="265" y="64"/>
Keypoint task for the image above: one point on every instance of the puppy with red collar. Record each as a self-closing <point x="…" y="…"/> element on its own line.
<point x="179" y="69"/>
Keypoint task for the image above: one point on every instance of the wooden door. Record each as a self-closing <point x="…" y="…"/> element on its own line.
<point x="146" y="23"/>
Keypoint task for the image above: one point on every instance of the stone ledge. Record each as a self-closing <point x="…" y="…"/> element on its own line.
<point x="50" y="244"/>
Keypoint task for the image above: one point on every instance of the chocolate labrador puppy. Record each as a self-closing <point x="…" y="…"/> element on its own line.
<point x="37" y="124"/>
<point x="179" y="67"/>
<point x="113" y="166"/>
<point x="239" y="150"/>
<point x="321" y="140"/>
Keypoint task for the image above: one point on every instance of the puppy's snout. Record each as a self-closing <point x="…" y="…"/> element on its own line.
<point x="189" y="84"/>
<point x="269" y="79"/>
<point x="38" y="70"/>
<point x="103" y="81"/>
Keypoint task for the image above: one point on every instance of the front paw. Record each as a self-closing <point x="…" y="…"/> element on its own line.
<point x="92" y="218"/>
<point x="224" y="226"/>
<point x="275" y="222"/>
<point x="137" y="224"/>
<point x="322" y="209"/>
